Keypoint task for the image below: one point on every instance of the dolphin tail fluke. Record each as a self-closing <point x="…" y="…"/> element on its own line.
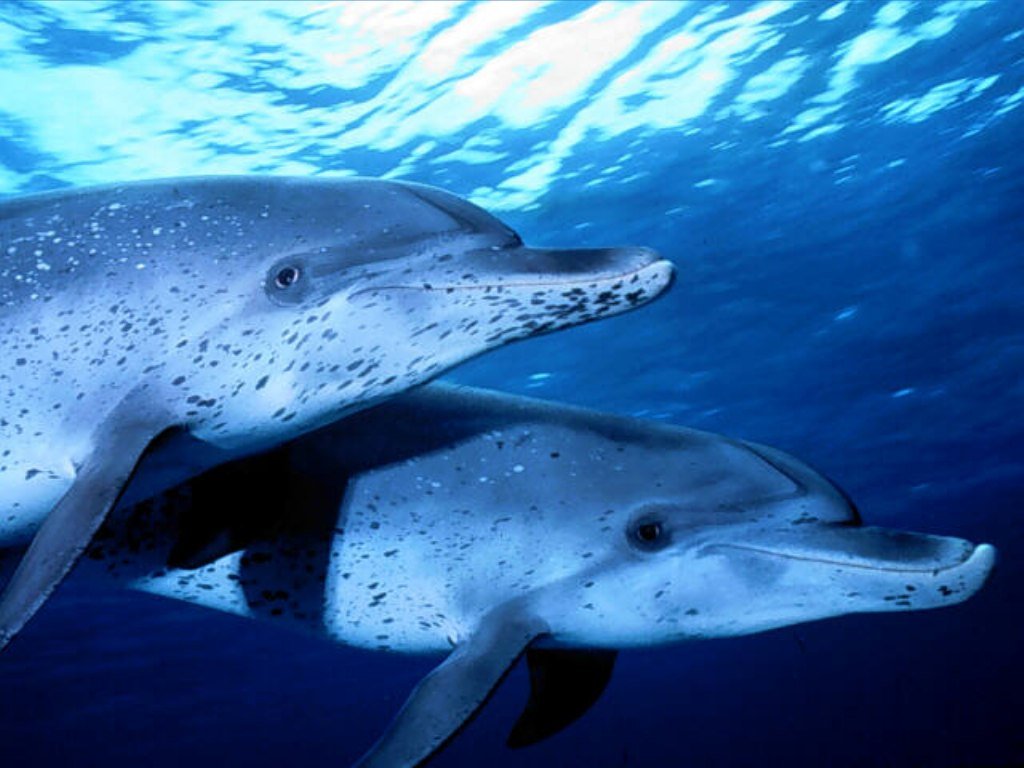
<point x="447" y="698"/>
<point x="117" y="447"/>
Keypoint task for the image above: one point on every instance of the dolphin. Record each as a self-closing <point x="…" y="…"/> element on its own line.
<point x="487" y="526"/>
<point x="226" y="315"/>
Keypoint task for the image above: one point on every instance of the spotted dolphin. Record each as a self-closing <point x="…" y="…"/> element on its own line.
<point x="487" y="526"/>
<point x="235" y="313"/>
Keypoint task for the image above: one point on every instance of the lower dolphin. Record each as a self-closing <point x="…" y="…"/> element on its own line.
<point x="489" y="526"/>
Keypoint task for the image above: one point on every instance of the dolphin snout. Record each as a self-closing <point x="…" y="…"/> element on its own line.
<point x="525" y="266"/>
<point x="635" y="275"/>
<point x="866" y="548"/>
<point x="585" y="261"/>
<point x="875" y="569"/>
<point x="902" y="551"/>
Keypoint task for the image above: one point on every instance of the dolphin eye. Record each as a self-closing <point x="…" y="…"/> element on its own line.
<point x="286" y="276"/>
<point x="648" y="534"/>
<point x="287" y="284"/>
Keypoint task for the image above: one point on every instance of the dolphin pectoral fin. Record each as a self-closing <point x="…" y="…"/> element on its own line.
<point x="564" y="684"/>
<point x="447" y="698"/>
<point x="118" y="445"/>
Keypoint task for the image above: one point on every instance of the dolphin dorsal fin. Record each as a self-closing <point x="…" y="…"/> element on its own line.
<point x="446" y="699"/>
<point x="231" y="506"/>
<point x="564" y="684"/>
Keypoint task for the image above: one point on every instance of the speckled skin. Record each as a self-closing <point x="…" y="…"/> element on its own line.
<point x="482" y="524"/>
<point x="172" y="289"/>
<point x="403" y="529"/>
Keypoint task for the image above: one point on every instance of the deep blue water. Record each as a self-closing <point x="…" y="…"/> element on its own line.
<point x="842" y="188"/>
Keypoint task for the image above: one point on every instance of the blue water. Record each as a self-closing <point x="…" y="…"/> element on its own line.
<point x="842" y="188"/>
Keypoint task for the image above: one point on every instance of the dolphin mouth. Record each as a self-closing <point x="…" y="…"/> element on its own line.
<point x="882" y="571"/>
<point x="970" y="555"/>
<point x="618" y="269"/>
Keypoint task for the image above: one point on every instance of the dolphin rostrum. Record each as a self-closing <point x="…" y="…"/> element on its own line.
<point x="231" y="314"/>
<point x="490" y="526"/>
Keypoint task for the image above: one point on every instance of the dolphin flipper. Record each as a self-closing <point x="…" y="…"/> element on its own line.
<point x="117" y="447"/>
<point x="448" y="697"/>
<point x="564" y="684"/>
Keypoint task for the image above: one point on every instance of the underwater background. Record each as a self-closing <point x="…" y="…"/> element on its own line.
<point x="841" y="185"/>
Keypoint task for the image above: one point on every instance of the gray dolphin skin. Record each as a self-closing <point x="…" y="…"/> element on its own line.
<point x="487" y="527"/>
<point x="227" y="315"/>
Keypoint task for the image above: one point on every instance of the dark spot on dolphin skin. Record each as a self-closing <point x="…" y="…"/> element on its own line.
<point x="555" y="454"/>
<point x="910" y="588"/>
<point x="32" y="473"/>
<point x="262" y="382"/>
<point x="945" y="591"/>
<point x="692" y="611"/>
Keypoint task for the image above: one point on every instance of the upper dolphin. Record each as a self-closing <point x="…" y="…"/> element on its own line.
<point x="241" y="312"/>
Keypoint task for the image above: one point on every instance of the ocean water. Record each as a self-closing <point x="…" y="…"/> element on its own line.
<point x="841" y="186"/>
